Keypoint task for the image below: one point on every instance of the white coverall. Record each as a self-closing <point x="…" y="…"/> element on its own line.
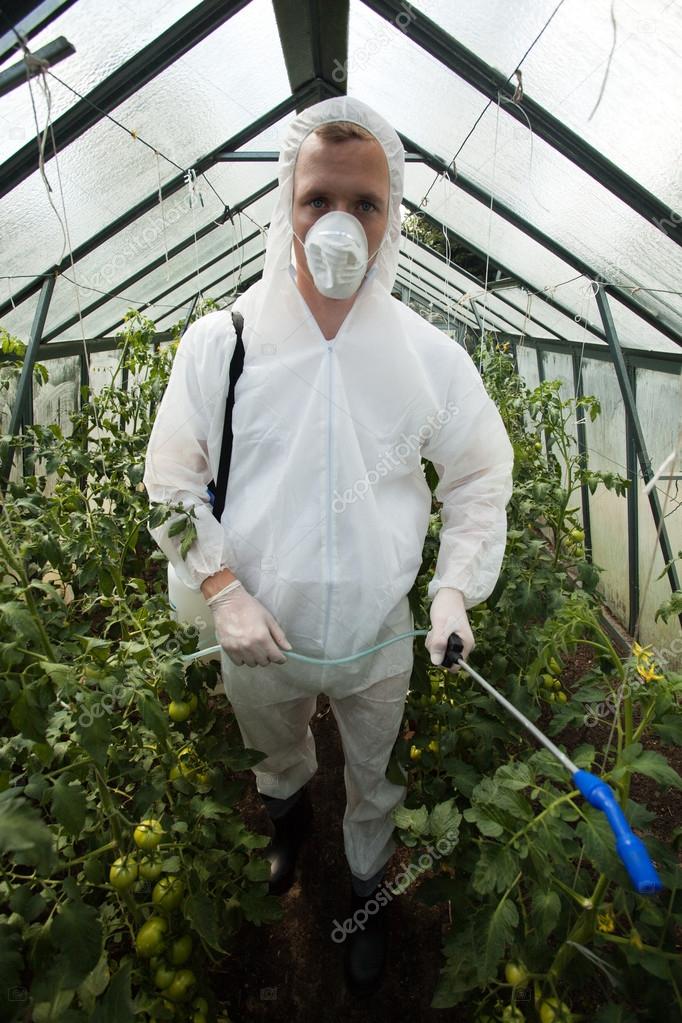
<point x="327" y="505"/>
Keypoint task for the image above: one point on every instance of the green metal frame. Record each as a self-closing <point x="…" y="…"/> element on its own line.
<point x="22" y="410"/>
<point x="636" y="438"/>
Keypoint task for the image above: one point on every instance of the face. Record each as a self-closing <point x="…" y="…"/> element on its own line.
<point x="350" y="176"/>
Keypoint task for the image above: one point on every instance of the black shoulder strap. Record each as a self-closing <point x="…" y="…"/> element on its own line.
<point x="236" y="367"/>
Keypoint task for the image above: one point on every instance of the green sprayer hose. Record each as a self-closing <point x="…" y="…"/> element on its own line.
<point x="187" y="658"/>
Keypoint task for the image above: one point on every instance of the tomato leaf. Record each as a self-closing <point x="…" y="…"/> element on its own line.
<point x="78" y="931"/>
<point x="496" y="869"/>
<point x="257" y="870"/>
<point x="117" y="1005"/>
<point x="94" y="984"/>
<point x="546" y="910"/>
<point x="500" y="933"/>
<point x="652" y="764"/>
<point x="24" y="833"/>
<point x="202" y="915"/>
<point x="260" y="908"/>
<point x="444" y="820"/>
<point x="416" y="821"/>
<point x="69" y="804"/>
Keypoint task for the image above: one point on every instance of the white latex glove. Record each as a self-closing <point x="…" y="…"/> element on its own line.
<point x="246" y="630"/>
<point x="448" y="615"/>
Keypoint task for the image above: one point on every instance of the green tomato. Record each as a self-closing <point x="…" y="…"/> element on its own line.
<point x="554" y="1011"/>
<point x="181" y="950"/>
<point x="561" y="697"/>
<point x="200" y="1004"/>
<point x="548" y="681"/>
<point x="123" y="873"/>
<point x="167" y="893"/>
<point x="515" y="973"/>
<point x="512" y="1014"/>
<point x="180" y="989"/>
<point x="467" y="737"/>
<point x="147" y="834"/>
<point x="179" y="710"/>
<point x="150" y="868"/>
<point x="577" y="535"/>
<point x="164" y="976"/>
<point x="150" y="940"/>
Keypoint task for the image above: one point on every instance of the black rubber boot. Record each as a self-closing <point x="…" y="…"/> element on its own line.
<point x="366" y="945"/>
<point x="290" y="831"/>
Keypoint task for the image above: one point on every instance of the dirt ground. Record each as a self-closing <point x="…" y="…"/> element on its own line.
<point x="292" y="970"/>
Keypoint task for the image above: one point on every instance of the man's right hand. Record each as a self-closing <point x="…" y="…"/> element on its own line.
<point x="246" y="630"/>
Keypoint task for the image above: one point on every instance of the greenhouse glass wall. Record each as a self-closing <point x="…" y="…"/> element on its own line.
<point x="152" y="814"/>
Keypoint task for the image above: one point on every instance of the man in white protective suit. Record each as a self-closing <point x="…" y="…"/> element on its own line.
<point x="344" y="389"/>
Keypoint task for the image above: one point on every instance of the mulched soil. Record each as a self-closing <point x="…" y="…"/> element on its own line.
<point x="292" y="970"/>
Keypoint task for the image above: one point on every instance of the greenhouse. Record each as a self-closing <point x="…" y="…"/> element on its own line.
<point x="340" y="645"/>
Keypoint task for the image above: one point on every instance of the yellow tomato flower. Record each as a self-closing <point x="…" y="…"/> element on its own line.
<point x="605" y="922"/>
<point x="649" y="674"/>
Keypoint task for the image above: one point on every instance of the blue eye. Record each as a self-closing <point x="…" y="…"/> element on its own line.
<point x="366" y="202"/>
<point x="313" y="201"/>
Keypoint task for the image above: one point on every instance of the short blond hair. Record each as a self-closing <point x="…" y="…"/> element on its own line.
<point x="339" y="131"/>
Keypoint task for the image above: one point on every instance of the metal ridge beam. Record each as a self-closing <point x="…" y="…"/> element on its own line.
<point x="314" y="37"/>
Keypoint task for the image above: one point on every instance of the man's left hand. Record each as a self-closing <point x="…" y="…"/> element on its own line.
<point x="448" y="615"/>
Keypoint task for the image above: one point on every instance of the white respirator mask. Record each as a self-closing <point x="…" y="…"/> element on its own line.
<point x="336" y="251"/>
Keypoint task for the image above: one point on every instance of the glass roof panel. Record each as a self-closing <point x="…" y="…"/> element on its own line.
<point x="618" y="88"/>
<point x="426" y="288"/>
<point x="222" y="293"/>
<point x="108" y="318"/>
<point x="502" y="157"/>
<point x="508" y="246"/>
<point x="185" y="112"/>
<point x="513" y="249"/>
<point x="509" y="307"/>
<point x="149" y="236"/>
<point x="104" y="39"/>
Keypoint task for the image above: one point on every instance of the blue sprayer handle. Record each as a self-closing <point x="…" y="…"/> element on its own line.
<point x="629" y="847"/>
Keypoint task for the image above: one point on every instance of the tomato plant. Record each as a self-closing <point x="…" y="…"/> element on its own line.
<point x="90" y="660"/>
<point x="532" y="864"/>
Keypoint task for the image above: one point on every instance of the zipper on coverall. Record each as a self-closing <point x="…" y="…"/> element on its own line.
<point x="329" y="504"/>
